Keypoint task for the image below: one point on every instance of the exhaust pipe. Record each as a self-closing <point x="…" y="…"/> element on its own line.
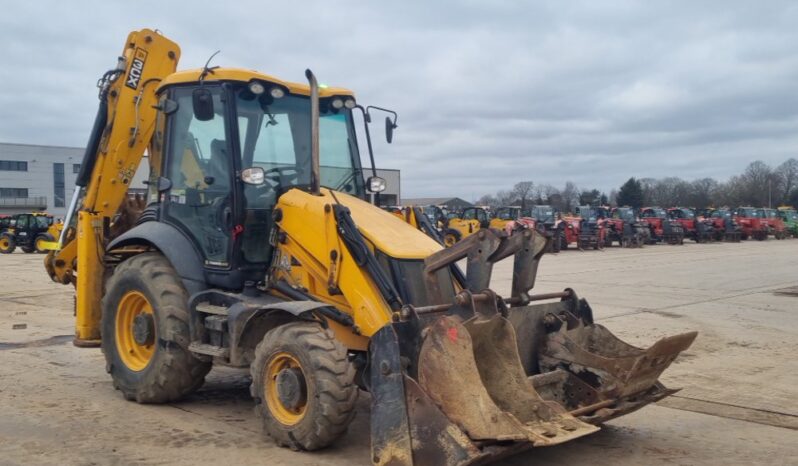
<point x="315" y="170"/>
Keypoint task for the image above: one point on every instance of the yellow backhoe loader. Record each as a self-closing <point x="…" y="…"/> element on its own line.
<point x="255" y="247"/>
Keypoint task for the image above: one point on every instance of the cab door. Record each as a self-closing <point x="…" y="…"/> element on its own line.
<point x="199" y="167"/>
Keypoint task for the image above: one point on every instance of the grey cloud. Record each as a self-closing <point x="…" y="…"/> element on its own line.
<point x="489" y="93"/>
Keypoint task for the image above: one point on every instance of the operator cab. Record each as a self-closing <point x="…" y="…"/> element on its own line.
<point x="227" y="147"/>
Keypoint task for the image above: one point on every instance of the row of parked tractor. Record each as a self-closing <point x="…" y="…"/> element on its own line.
<point x="596" y="227"/>
<point x="30" y="232"/>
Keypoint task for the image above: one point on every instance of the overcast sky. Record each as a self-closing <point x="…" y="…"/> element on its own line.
<point x="488" y="92"/>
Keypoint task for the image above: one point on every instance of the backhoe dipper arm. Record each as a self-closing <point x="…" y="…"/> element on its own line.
<point x="122" y="131"/>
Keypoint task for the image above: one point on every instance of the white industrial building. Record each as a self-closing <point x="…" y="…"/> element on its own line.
<point x="42" y="178"/>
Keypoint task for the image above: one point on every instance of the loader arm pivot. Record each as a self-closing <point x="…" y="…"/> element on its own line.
<point x="122" y="131"/>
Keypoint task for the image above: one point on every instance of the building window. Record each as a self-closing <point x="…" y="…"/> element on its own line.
<point x="14" y="192"/>
<point x="76" y="168"/>
<point x="13" y="166"/>
<point x="58" y="185"/>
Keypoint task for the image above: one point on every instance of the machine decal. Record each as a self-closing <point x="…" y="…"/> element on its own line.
<point x="136" y="69"/>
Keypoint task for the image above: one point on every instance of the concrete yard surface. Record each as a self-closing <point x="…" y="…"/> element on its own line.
<point x="739" y="403"/>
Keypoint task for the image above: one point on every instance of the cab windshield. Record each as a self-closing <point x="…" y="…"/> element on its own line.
<point x="771" y="213"/>
<point x="720" y="214"/>
<point x="543" y="214"/>
<point x="626" y="214"/>
<point x="790" y="215"/>
<point x="655" y="212"/>
<point x="507" y="213"/>
<point x="275" y="135"/>
<point x="40" y="222"/>
<point x="750" y="212"/>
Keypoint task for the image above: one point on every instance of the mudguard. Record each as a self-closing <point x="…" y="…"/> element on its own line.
<point x="173" y="244"/>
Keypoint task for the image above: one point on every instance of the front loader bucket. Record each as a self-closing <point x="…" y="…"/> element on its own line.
<point x="471" y="401"/>
<point x="472" y="371"/>
<point x="614" y="368"/>
<point x="482" y="377"/>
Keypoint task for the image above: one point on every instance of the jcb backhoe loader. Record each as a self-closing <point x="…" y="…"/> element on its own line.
<point x="257" y="249"/>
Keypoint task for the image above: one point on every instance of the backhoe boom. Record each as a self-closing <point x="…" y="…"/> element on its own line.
<point x="122" y="131"/>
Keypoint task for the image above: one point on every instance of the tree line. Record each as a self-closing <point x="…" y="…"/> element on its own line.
<point x="758" y="185"/>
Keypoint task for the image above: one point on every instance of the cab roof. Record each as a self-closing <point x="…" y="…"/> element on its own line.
<point x="244" y="76"/>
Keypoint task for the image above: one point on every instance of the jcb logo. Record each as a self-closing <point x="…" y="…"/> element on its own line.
<point x="136" y="69"/>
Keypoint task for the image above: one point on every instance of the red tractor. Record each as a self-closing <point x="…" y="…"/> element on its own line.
<point x="590" y="228"/>
<point x="752" y="223"/>
<point x="723" y="223"/>
<point x="549" y="221"/>
<point x="776" y="223"/>
<point x="662" y="228"/>
<point x="511" y="218"/>
<point x="696" y="229"/>
<point x="625" y="227"/>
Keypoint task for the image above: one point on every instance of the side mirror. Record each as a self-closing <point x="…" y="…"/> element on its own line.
<point x="376" y="184"/>
<point x="202" y="100"/>
<point x="389" y="127"/>
<point x="253" y="175"/>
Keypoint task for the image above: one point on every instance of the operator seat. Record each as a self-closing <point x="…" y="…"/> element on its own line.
<point x="218" y="167"/>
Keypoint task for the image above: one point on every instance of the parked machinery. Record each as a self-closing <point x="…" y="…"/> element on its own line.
<point x="776" y="224"/>
<point x="30" y="232"/>
<point x="510" y="218"/>
<point x="790" y="217"/>
<point x="662" y="228"/>
<point x="568" y="230"/>
<point x="625" y="227"/>
<point x="753" y="223"/>
<point x="592" y="229"/>
<point x="548" y="221"/>
<point x="437" y="216"/>
<point x="696" y="229"/>
<point x="465" y="223"/>
<point x="724" y="224"/>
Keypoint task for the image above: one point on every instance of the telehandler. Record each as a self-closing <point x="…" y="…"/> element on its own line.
<point x="257" y="248"/>
<point x="30" y="232"/>
<point x="465" y="223"/>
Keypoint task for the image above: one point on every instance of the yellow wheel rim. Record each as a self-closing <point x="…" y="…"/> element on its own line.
<point x="449" y="240"/>
<point x="134" y="355"/>
<point x="4" y="243"/>
<point x="283" y="414"/>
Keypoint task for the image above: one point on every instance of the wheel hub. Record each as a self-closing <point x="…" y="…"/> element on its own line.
<point x="291" y="388"/>
<point x="143" y="329"/>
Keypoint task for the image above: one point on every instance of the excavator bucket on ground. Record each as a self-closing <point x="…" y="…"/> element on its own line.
<point x="483" y="377"/>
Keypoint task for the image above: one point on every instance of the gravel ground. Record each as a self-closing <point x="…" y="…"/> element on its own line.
<point x="739" y="403"/>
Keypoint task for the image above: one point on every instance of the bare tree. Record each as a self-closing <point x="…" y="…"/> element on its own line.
<point x="570" y="196"/>
<point x="488" y="200"/>
<point x="523" y="192"/>
<point x="788" y="172"/>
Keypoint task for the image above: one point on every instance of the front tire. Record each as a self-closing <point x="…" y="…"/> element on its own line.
<point x="145" y="332"/>
<point x="451" y="237"/>
<point x="38" y="243"/>
<point x="303" y="386"/>
<point x="7" y="244"/>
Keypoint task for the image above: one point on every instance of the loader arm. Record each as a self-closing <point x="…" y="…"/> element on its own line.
<point x="122" y="132"/>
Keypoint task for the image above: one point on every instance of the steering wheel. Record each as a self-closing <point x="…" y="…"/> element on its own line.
<point x="293" y="174"/>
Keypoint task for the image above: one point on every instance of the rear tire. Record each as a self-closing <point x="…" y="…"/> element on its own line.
<point x="160" y="369"/>
<point x="7" y="244"/>
<point x="563" y="239"/>
<point x="321" y="391"/>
